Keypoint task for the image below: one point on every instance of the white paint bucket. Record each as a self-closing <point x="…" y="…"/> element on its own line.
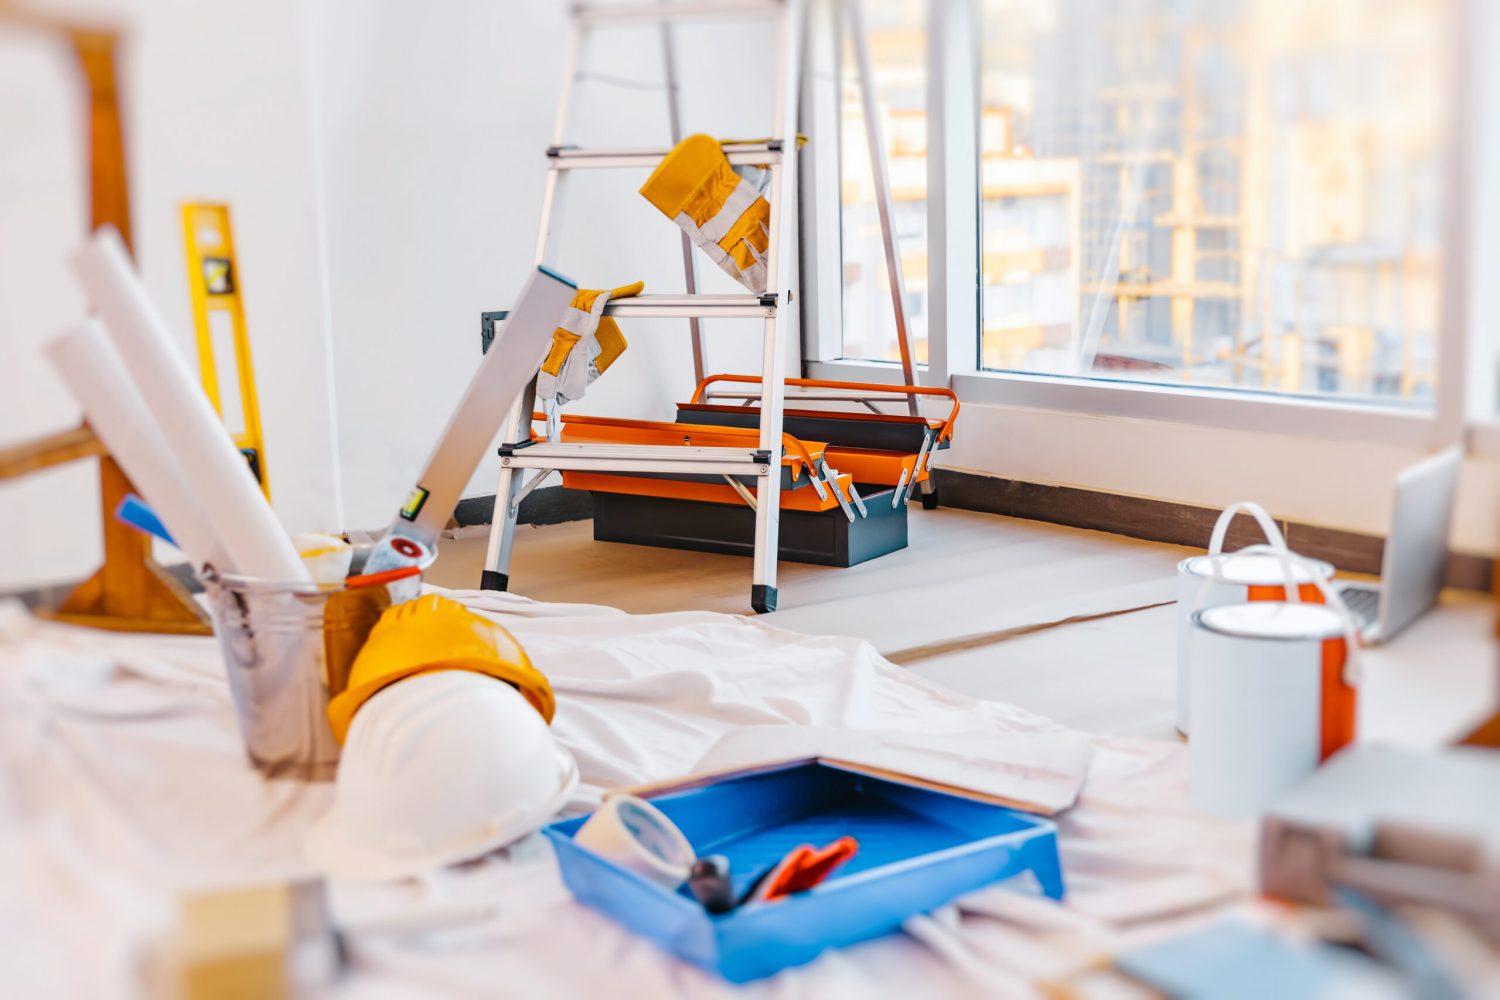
<point x="1251" y="574"/>
<point x="1272" y="697"/>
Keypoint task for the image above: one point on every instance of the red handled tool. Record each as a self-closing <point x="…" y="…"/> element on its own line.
<point x="801" y="869"/>
<point x="384" y="576"/>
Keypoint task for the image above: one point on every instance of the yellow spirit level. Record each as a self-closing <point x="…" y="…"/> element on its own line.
<point x="214" y="280"/>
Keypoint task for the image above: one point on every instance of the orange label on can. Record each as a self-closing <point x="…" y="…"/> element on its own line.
<point x="1309" y="593"/>
<point x="1337" y="715"/>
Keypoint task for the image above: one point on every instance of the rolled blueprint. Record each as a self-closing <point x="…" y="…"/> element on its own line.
<point x="254" y="541"/>
<point x="93" y="372"/>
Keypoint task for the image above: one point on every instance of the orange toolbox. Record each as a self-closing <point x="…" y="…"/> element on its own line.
<point x="846" y="476"/>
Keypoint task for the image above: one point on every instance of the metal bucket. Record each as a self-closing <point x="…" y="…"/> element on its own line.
<point x="287" y="650"/>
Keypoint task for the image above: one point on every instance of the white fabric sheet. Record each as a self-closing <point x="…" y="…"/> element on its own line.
<point x="122" y="783"/>
<point x="1041" y="772"/>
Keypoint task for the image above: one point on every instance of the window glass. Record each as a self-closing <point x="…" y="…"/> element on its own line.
<point x="897" y="42"/>
<point x="1236" y="193"/>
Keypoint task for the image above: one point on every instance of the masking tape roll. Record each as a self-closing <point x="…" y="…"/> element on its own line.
<point x="636" y="835"/>
<point x="326" y="557"/>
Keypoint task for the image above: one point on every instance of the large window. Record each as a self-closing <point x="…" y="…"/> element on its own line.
<point x="897" y="52"/>
<point x="1222" y="193"/>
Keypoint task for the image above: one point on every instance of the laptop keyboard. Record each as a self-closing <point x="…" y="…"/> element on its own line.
<point x="1363" y="602"/>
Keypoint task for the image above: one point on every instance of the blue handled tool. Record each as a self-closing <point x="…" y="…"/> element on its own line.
<point x="134" y="512"/>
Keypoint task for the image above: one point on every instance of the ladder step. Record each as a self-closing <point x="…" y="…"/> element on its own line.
<point x="589" y="14"/>
<point x="706" y="306"/>
<point x="638" y="458"/>
<point x="574" y="158"/>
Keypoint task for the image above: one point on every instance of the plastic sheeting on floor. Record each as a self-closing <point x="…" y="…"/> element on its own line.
<point x="122" y="782"/>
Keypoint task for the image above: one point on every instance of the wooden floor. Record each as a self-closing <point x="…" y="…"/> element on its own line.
<point x="1075" y="625"/>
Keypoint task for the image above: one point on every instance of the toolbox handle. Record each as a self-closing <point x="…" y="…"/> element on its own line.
<point x="794" y="446"/>
<point x="945" y="431"/>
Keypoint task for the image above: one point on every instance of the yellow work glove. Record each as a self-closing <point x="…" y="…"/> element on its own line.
<point x="723" y="210"/>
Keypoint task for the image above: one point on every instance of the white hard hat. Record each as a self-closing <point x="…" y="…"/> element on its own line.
<point x="439" y="768"/>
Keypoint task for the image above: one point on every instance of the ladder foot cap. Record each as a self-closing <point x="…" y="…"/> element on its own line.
<point x="491" y="580"/>
<point x="762" y="598"/>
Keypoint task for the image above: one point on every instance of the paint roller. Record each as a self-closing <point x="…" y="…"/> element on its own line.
<point x="503" y="375"/>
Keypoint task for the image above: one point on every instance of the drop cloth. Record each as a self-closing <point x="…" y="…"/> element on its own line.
<point x="122" y="783"/>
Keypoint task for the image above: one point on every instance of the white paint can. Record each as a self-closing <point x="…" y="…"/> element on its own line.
<point x="1272" y="697"/>
<point x="1257" y="573"/>
<point x="1237" y="578"/>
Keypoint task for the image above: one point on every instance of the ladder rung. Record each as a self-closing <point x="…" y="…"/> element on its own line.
<point x="706" y="306"/>
<point x="600" y="13"/>
<point x="638" y="458"/>
<point x="738" y="154"/>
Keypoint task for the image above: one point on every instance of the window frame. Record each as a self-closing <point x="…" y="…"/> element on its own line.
<point x="954" y="289"/>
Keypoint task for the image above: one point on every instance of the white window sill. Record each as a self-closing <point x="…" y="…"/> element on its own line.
<point x="851" y="369"/>
<point x="1231" y="410"/>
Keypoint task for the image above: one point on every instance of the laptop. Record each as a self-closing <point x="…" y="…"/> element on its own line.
<point x="1416" y="550"/>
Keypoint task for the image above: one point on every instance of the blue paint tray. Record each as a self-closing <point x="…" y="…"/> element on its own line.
<point x="918" y="849"/>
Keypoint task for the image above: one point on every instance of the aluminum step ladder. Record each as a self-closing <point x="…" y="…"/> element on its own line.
<point x="779" y="154"/>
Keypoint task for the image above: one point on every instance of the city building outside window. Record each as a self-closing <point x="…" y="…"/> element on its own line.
<point x="1243" y="194"/>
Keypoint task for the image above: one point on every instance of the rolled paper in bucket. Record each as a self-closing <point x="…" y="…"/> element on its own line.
<point x="254" y="541"/>
<point x="92" y="370"/>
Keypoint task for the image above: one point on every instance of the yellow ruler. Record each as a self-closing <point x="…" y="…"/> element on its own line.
<point x="219" y="316"/>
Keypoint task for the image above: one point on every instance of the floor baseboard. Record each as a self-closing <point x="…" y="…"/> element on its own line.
<point x="1176" y="523"/>
<point x="548" y="505"/>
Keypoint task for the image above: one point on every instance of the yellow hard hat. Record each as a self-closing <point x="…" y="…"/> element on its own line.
<point x="436" y="633"/>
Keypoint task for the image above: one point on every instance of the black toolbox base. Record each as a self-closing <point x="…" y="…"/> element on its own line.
<point x="826" y="538"/>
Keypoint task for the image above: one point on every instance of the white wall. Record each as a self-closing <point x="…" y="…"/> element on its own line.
<point x="43" y="191"/>
<point x="434" y="133"/>
<point x="216" y="107"/>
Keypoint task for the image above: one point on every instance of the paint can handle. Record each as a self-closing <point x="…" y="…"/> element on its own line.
<point x="1274" y="538"/>
<point x="1275" y="544"/>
